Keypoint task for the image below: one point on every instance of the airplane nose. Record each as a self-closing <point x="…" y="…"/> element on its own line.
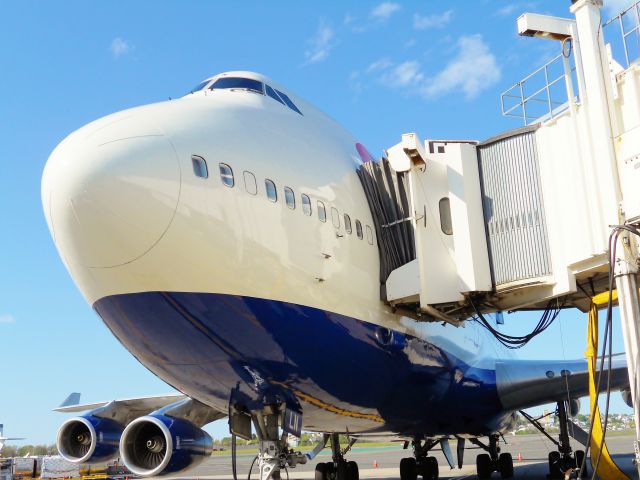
<point x="110" y="195"/>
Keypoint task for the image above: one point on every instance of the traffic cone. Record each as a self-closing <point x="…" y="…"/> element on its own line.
<point x="375" y="464"/>
<point x="519" y="457"/>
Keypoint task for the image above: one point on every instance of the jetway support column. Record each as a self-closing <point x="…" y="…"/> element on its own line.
<point x="629" y="306"/>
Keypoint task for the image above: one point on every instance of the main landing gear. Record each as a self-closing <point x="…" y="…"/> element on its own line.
<point x="420" y="463"/>
<point x="493" y="460"/>
<point x="338" y="468"/>
<point x="274" y="452"/>
<point x="562" y="460"/>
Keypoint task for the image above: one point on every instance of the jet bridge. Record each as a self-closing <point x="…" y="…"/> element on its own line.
<point x="522" y="218"/>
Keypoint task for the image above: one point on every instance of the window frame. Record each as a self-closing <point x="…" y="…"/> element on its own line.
<point x="369" y="234"/>
<point x="291" y="206"/>
<point x="200" y="160"/>
<point x="233" y="180"/>
<point x="347" y="224"/>
<point x="245" y="174"/>
<point x="359" y="232"/>
<point x="445" y="216"/>
<point x="268" y="181"/>
<point x="321" y="208"/>
<point x="304" y="204"/>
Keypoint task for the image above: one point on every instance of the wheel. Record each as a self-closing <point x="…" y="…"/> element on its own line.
<point x="321" y="471"/>
<point x="352" y="471"/>
<point x="341" y="470"/>
<point x="505" y="465"/>
<point x="579" y="456"/>
<point x="435" y="470"/>
<point x="425" y="469"/>
<point x="408" y="469"/>
<point x="483" y="466"/>
<point x="555" y="467"/>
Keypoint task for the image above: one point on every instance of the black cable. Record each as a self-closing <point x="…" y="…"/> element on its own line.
<point x="251" y="467"/>
<point x="549" y="315"/>
<point x="233" y="456"/>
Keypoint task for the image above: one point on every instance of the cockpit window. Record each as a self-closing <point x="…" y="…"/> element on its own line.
<point x="272" y="93"/>
<point x="237" y="83"/>
<point x="288" y="101"/>
<point x="199" y="87"/>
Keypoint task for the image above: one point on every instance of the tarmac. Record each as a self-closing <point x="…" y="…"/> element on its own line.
<point x="533" y="450"/>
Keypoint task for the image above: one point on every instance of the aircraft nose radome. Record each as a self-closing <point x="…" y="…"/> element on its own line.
<point x="110" y="196"/>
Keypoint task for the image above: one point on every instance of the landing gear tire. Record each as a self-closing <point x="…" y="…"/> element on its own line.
<point x="505" y="465"/>
<point x="341" y="470"/>
<point x="352" y="471"/>
<point x="408" y="469"/>
<point x="321" y="472"/>
<point x="555" y="467"/>
<point x="431" y="471"/>
<point x="483" y="466"/>
<point x="579" y="458"/>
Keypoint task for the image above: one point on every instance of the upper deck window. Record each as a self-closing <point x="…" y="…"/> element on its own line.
<point x="272" y="193"/>
<point x="306" y="204"/>
<point x="289" y="198"/>
<point x="238" y="83"/>
<point x="288" y="101"/>
<point x="226" y="174"/>
<point x="199" y="166"/>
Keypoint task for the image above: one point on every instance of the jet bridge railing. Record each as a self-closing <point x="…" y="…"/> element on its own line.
<point x="625" y="45"/>
<point x="544" y="93"/>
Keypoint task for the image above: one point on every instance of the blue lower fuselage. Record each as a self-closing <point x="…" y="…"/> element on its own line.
<point x="342" y="373"/>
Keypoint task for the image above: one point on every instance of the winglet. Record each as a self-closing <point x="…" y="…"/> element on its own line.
<point x="72" y="399"/>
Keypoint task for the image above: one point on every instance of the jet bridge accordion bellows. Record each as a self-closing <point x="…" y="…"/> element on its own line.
<point x="513" y="207"/>
<point x="387" y="193"/>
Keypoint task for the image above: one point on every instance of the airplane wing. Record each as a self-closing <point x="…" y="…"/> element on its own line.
<point x="528" y="383"/>
<point x="126" y="410"/>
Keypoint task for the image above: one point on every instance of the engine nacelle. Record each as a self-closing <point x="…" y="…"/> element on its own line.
<point x="89" y="439"/>
<point x="626" y="397"/>
<point x="158" y="444"/>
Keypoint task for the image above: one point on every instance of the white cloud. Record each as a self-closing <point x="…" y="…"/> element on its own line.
<point x="119" y="47"/>
<point x="405" y="74"/>
<point x="473" y="69"/>
<point x="6" y="318"/>
<point x="508" y="9"/>
<point x="378" y="65"/>
<point x="436" y="20"/>
<point x="320" y="44"/>
<point x="384" y="10"/>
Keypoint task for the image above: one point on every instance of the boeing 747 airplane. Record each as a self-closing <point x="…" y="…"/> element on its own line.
<point x="225" y="238"/>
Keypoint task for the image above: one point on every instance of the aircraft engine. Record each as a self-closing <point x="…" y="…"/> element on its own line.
<point x="158" y="445"/>
<point x="89" y="439"/>
<point x="626" y="397"/>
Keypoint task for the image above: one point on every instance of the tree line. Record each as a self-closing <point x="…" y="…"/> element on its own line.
<point x="15" y="451"/>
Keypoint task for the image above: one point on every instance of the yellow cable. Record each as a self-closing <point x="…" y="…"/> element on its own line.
<point x="607" y="467"/>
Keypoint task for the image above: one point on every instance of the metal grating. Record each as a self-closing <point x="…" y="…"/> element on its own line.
<point x="513" y="207"/>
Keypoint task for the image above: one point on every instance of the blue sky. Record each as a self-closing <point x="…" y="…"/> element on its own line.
<point x="379" y="68"/>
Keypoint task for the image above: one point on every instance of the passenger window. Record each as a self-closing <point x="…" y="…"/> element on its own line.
<point x="272" y="194"/>
<point x="226" y="174"/>
<point x="272" y="93"/>
<point x="445" y="216"/>
<point x="347" y="224"/>
<point x="369" y="235"/>
<point x="199" y="166"/>
<point x="250" y="182"/>
<point x="359" y="229"/>
<point x="290" y="198"/>
<point x="306" y="204"/>
<point x="322" y="213"/>
<point x="288" y="101"/>
<point x="335" y="217"/>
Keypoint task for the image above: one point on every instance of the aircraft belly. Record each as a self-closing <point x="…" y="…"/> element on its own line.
<point x="344" y="374"/>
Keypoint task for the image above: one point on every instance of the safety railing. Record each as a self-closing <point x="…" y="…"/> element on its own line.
<point x="543" y="94"/>
<point x="626" y="44"/>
